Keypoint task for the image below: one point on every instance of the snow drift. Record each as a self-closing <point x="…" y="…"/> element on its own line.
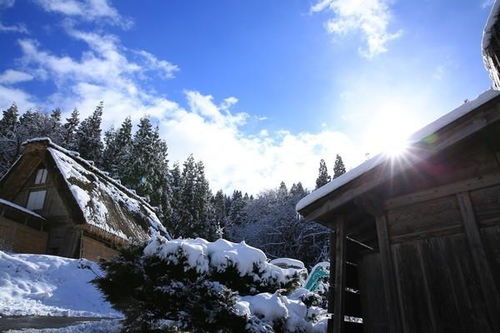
<point x="46" y="285"/>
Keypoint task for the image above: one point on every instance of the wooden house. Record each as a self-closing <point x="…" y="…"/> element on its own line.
<point x="54" y="202"/>
<point x="415" y="240"/>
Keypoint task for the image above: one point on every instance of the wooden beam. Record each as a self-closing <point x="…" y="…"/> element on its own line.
<point x="339" y="301"/>
<point x="442" y="191"/>
<point x="483" y="269"/>
<point x="390" y="289"/>
<point x="363" y="245"/>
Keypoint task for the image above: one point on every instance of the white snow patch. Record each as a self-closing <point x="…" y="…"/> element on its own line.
<point x="274" y="307"/>
<point x="288" y="263"/>
<point x="43" y="285"/>
<point x="492" y="19"/>
<point x="380" y="159"/>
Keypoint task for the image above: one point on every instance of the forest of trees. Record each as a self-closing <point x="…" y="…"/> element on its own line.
<point x="186" y="204"/>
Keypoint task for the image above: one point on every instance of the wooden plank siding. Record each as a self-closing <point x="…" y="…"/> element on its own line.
<point x="92" y="249"/>
<point x="391" y="296"/>
<point x="21" y="238"/>
<point x="444" y="248"/>
<point x="375" y="318"/>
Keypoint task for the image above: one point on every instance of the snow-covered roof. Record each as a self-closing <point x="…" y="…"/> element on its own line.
<point x="103" y="201"/>
<point x="20" y="208"/>
<point x="492" y="19"/>
<point x="417" y="137"/>
<point x="490" y="46"/>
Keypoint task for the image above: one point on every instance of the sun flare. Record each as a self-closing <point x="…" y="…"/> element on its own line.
<point x="390" y="130"/>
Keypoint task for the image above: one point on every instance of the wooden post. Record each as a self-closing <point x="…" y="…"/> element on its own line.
<point x="331" y="280"/>
<point x="339" y="301"/>
<point x="483" y="270"/>
<point x="388" y="276"/>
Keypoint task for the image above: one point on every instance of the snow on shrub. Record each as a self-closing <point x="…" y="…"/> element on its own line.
<point x="295" y="313"/>
<point x="200" y="286"/>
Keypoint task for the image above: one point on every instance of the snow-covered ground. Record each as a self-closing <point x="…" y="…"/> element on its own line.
<point x="43" y="285"/>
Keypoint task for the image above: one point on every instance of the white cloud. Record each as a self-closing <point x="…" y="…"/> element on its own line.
<point x="21" y="28"/>
<point x="165" y="68"/>
<point x="369" y="17"/>
<point x="249" y="162"/>
<point x="6" y="3"/>
<point x="11" y="76"/>
<point x="210" y="129"/>
<point x="106" y="62"/>
<point x="86" y="10"/>
<point x="10" y="95"/>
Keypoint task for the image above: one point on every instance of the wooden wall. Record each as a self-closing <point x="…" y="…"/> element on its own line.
<point x="94" y="250"/>
<point x="446" y="256"/>
<point x="441" y="223"/>
<point x="20" y="238"/>
<point x="373" y="301"/>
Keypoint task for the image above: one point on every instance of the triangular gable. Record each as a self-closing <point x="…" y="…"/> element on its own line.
<point x="103" y="202"/>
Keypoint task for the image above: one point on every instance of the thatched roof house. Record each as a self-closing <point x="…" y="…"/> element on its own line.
<point x="81" y="211"/>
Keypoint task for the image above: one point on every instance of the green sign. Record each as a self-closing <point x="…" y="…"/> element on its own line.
<point x="319" y="271"/>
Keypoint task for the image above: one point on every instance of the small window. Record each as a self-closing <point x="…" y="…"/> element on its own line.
<point x="36" y="200"/>
<point x="41" y="176"/>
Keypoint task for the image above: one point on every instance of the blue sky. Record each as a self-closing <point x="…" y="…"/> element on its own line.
<point x="259" y="90"/>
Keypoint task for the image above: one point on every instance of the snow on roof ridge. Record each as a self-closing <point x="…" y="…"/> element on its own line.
<point x="418" y="136"/>
<point x="90" y="164"/>
<point x="21" y="208"/>
<point x="492" y="19"/>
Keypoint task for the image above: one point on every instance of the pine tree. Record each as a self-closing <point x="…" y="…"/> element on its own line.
<point x="147" y="170"/>
<point x="338" y="168"/>
<point x="88" y="136"/>
<point x="208" y="227"/>
<point x="282" y="190"/>
<point x="10" y="144"/>
<point x="109" y="152"/>
<point x="9" y="121"/>
<point x="298" y="191"/>
<point x="175" y="181"/>
<point x="323" y="177"/>
<point x="163" y="192"/>
<point x="186" y="210"/>
<point x="118" y="147"/>
<point x="236" y="213"/>
<point x="56" y="128"/>
<point x="69" y="130"/>
<point x="219" y="203"/>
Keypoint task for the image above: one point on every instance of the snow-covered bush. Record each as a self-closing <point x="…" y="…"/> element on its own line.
<point x="200" y="286"/>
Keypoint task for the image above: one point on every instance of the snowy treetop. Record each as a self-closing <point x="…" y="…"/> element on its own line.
<point x="104" y="202"/>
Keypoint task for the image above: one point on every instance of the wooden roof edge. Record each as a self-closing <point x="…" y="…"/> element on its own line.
<point x="23" y="210"/>
<point x="375" y="172"/>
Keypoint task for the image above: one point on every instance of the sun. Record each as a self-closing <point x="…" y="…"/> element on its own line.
<point x="390" y="130"/>
<point x="395" y="148"/>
